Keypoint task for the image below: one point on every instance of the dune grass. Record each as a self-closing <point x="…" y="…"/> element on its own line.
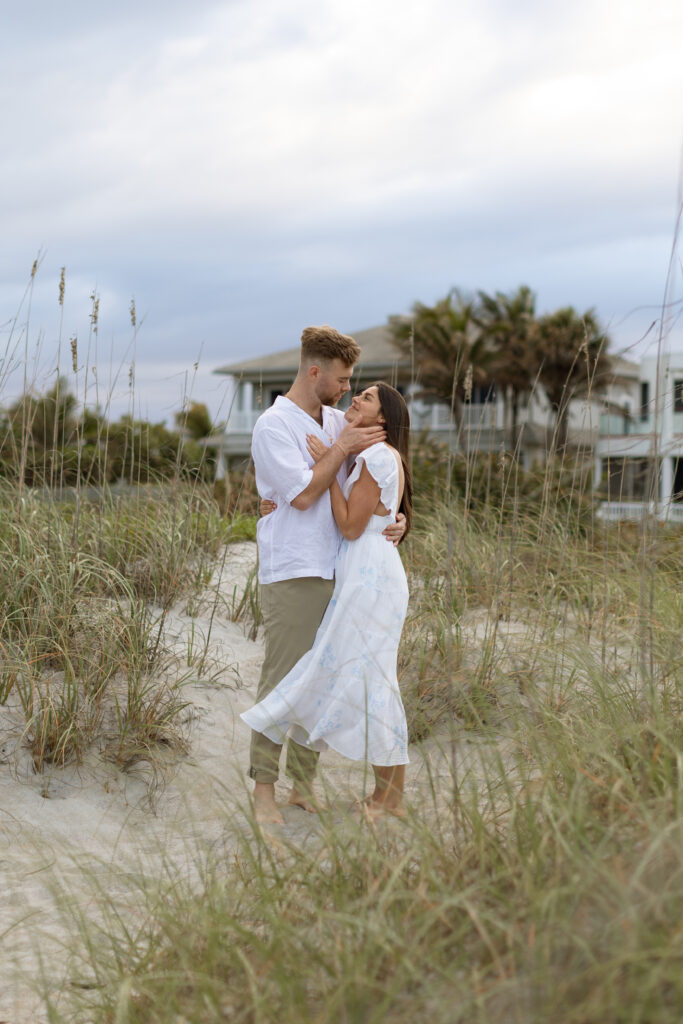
<point x="85" y="588"/>
<point x="539" y="878"/>
<point x="538" y="875"/>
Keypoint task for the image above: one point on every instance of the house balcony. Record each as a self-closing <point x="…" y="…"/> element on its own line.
<point x="437" y="419"/>
<point x="434" y="418"/>
<point x="617" y="424"/>
<point x="635" y="445"/>
<point x="635" y="511"/>
<point x="614" y="424"/>
<point x="242" y="421"/>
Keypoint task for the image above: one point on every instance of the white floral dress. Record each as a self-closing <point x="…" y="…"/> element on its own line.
<point x="344" y="692"/>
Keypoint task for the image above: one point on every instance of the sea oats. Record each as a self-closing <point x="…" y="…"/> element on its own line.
<point x="468" y="384"/>
<point x="61" y="286"/>
<point x="95" y="315"/>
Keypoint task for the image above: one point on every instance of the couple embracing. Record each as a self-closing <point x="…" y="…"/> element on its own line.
<point x="333" y="607"/>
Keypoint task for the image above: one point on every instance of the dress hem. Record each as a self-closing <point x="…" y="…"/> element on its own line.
<point x="279" y="737"/>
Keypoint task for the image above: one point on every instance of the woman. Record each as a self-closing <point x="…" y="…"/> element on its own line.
<point x="344" y="692"/>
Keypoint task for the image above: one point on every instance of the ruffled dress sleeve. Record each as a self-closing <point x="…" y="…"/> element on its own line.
<point x="383" y="467"/>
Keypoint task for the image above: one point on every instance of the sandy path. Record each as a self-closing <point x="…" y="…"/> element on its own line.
<point x="62" y="830"/>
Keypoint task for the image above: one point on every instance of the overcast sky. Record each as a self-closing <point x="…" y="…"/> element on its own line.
<point x="243" y="169"/>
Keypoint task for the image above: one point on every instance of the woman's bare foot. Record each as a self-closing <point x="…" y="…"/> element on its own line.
<point x="374" y="809"/>
<point x="358" y="806"/>
<point x="302" y="800"/>
<point x="387" y="797"/>
<point x="266" y="811"/>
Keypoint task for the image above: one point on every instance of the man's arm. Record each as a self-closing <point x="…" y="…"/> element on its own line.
<point x="351" y="441"/>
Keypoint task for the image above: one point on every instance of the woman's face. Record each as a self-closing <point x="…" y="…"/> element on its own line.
<point x="367" y="404"/>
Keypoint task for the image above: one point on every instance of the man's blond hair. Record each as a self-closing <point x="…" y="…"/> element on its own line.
<point x="323" y="344"/>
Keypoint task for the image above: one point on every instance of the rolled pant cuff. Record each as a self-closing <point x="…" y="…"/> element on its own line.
<point x="262" y="777"/>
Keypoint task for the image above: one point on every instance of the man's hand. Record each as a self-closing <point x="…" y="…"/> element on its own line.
<point x="352" y="440"/>
<point x="355" y="439"/>
<point x="394" y="531"/>
<point x="266" y="506"/>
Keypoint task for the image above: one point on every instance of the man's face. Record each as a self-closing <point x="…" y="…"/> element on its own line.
<point x="334" y="380"/>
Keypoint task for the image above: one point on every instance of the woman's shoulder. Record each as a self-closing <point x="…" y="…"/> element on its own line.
<point x="379" y="451"/>
<point x="380" y="459"/>
<point x="380" y="446"/>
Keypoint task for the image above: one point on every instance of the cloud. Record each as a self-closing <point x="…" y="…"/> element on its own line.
<point x="243" y="169"/>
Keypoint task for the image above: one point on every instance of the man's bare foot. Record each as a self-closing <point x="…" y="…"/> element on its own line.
<point x="266" y="811"/>
<point x="299" y="799"/>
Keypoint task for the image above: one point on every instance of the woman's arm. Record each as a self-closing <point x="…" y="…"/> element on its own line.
<point x="353" y="516"/>
<point x="351" y="441"/>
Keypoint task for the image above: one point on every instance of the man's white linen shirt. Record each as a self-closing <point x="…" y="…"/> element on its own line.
<point x="293" y="543"/>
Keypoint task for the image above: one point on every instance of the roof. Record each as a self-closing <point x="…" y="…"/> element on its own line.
<point x="379" y="356"/>
<point x="377" y="351"/>
<point x="624" y="368"/>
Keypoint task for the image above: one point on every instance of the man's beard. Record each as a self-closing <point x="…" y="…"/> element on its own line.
<point x="330" y="398"/>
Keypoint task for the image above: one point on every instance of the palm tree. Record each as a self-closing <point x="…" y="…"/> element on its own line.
<point x="571" y="353"/>
<point x="447" y="347"/>
<point x="508" y="323"/>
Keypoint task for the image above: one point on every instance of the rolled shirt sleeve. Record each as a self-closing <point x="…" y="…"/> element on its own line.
<point x="281" y="469"/>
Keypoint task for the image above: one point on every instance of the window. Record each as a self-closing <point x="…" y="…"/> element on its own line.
<point x="484" y="394"/>
<point x="644" y="399"/>
<point x="627" y="479"/>
<point x="678" y="396"/>
<point x="678" y="480"/>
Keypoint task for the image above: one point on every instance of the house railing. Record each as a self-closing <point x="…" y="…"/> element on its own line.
<point x="613" y="511"/>
<point x="435" y="418"/>
<point x="242" y="421"/>
<point x="617" y="423"/>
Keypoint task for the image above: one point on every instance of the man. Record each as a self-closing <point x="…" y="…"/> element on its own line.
<point x="297" y="543"/>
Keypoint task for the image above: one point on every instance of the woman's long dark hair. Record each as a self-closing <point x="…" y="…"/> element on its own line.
<point x="397" y="426"/>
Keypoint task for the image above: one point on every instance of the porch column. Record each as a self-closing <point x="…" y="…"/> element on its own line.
<point x="247" y="389"/>
<point x="500" y="407"/>
<point x="221" y="468"/>
<point x="597" y="472"/>
<point x="667" y="480"/>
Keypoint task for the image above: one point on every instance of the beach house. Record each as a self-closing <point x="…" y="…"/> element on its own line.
<point x="631" y="430"/>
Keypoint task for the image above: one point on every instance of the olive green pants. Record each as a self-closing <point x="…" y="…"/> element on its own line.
<point x="292" y="610"/>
